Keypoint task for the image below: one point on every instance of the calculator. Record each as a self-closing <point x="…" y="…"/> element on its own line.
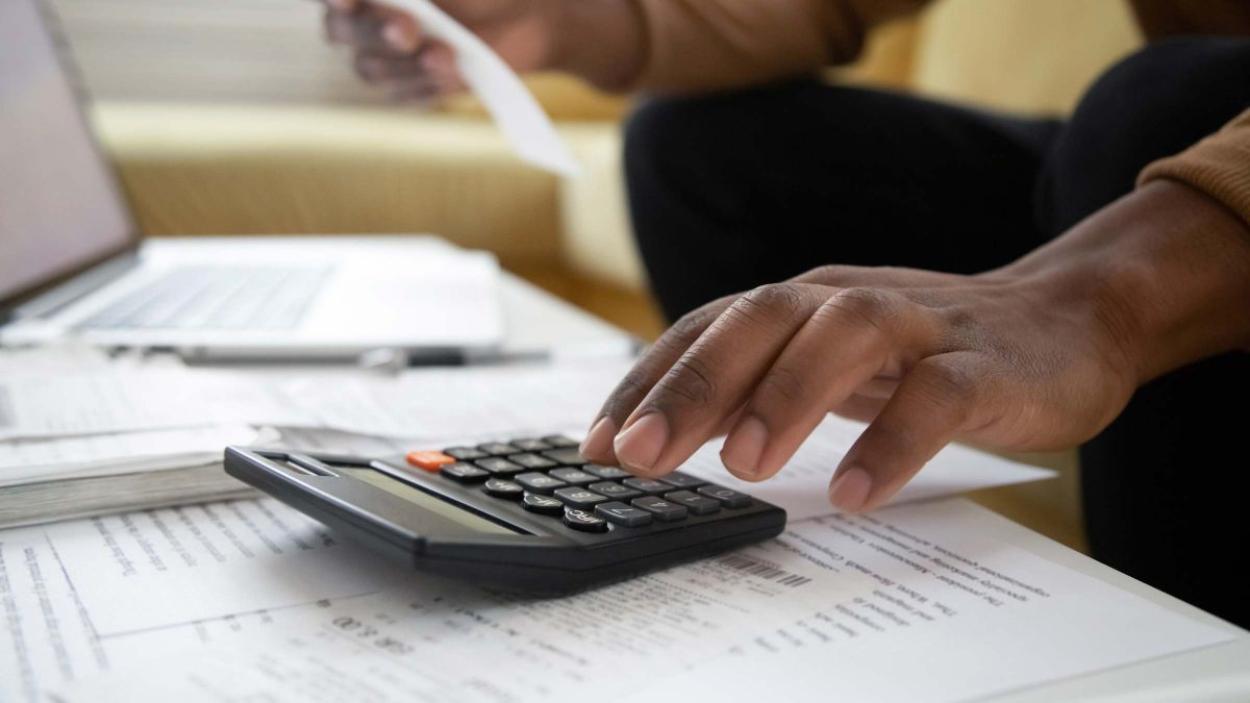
<point x="528" y="515"/>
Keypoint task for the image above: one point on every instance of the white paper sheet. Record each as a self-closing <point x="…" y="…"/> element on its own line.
<point x="519" y="116"/>
<point x="40" y="405"/>
<point x="172" y="566"/>
<point x="48" y="639"/>
<point x="802" y="486"/>
<point x="503" y="401"/>
<point x="916" y="602"/>
<point x="35" y="460"/>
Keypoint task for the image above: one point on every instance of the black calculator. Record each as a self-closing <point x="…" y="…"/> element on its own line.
<point x="525" y="515"/>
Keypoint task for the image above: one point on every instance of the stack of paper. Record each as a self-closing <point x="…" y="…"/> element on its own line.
<point x="250" y="600"/>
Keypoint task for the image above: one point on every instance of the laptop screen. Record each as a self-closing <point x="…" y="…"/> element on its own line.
<point x="60" y="208"/>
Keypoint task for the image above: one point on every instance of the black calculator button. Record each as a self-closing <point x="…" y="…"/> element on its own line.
<point x="614" y="490"/>
<point x="532" y="461"/>
<point x="699" y="505"/>
<point x="679" y="480"/>
<point x="577" y="477"/>
<point x="464" y="472"/>
<point x="498" y="448"/>
<point x="663" y="510"/>
<point x="647" y="485"/>
<point x="579" y="497"/>
<point x="503" y="488"/>
<point x="727" y="496"/>
<point x="539" y="483"/>
<point x="499" y="466"/>
<point x="622" y="514"/>
<point x="583" y="520"/>
<point x="568" y="456"/>
<point x="607" y="473"/>
<point x="465" y="453"/>
<point x="542" y="504"/>
<point x="530" y="445"/>
<point x="559" y="440"/>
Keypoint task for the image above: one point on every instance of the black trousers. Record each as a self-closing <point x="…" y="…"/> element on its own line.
<point x="735" y="190"/>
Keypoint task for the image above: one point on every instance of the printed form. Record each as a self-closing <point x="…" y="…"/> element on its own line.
<point x="837" y="605"/>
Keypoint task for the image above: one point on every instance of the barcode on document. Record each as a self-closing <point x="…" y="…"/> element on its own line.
<point x="763" y="570"/>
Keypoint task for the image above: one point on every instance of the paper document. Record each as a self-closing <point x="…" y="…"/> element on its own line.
<point x="37" y="405"/>
<point x="494" y="402"/>
<point x="516" y="112"/>
<point x="914" y="602"/>
<point x="177" y="565"/>
<point x="34" y="460"/>
<point x="802" y="486"/>
<point x="47" y="634"/>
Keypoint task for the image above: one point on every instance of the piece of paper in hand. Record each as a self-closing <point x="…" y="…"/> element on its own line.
<point x="516" y="112"/>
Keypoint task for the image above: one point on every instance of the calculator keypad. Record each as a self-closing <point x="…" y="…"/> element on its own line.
<point x="532" y="461"/>
<point x="549" y="476"/>
<point x="614" y="490"/>
<point x="607" y="473"/>
<point x="499" y="448"/>
<point x="577" y="477"/>
<point x="499" y="466"/>
<point x="568" y="456"/>
<point x="646" y="485"/>
<point x="465" y="472"/>
<point x="503" y="488"/>
<point x="699" y="505"/>
<point x="662" y="509"/>
<point x="539" y="483"/>
<point x="622" y="514"/>
<point x="545" y="505"/>
<point x="579" y="497"/>
<point x="584" y="520"/>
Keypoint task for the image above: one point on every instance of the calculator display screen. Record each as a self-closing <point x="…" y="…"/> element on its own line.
<point x="427" y="502"/>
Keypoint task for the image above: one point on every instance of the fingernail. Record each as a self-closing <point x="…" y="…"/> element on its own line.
<point x="744" y="445"/>
<point x="849" y="491"/>
<point x="598" y="442"/>
<point x="639" y="446"/>
<point x="397" y="37"/>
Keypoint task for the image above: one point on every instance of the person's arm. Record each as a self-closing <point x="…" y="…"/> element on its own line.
<point x="699" y="45"/>
<point x="1218" y="166"/>
<point x="1041" y="354"/>
<point x="617" y="45"/>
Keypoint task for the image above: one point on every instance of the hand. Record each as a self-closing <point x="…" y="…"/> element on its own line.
<point x="1038" y="355"/>
<point x="391" y="52"/>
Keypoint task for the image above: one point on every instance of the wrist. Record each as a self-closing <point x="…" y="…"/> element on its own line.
<point x="1163" y="274"/>
<point x="601" y="41"/>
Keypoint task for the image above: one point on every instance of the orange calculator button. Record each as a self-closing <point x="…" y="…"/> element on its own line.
<point x="429" y="461"/>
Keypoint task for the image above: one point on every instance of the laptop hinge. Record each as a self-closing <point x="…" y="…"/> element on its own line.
<point x="58" y="298"/>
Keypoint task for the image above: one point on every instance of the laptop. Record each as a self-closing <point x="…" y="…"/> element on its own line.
<point x="73" y="266"/>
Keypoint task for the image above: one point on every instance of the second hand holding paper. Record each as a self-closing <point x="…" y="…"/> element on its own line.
<point x="516" y="112"/>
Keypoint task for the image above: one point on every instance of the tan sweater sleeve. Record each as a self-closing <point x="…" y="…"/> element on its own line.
<point x="698" y="45"/>
<point x="1218" y="165"/>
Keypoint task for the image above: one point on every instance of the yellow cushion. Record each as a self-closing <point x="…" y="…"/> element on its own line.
<point x="212" y="169"/>
<point x="1020" y="54"/>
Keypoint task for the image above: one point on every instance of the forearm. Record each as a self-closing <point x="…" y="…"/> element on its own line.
<point x="1166" y="268"/>
<point x="701" y="45"/>
<point x="602" y="41"/>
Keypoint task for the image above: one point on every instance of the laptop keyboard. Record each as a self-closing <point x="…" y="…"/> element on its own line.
<point x="217" y="297"/>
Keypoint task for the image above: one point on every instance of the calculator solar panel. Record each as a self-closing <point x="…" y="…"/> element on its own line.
<point x="528" y="515"/>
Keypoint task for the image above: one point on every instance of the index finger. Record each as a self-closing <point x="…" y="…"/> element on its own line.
<point x="647" y="371"/>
